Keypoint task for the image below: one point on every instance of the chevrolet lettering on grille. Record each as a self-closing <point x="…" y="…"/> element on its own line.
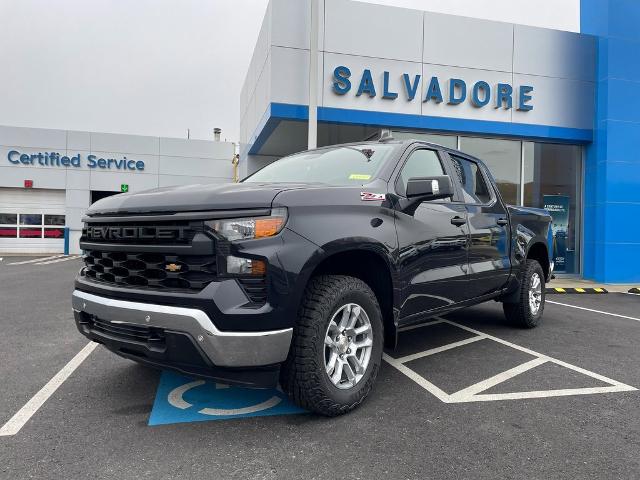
<point x="136" y="233"/>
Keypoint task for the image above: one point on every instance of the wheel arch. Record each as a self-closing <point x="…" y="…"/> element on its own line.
<point x="536" y="249"/>
<point x="539" y="252"/>
<point x="371" y="265"/>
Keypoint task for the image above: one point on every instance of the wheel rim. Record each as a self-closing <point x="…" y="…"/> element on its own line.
<point x="347" y="346"/>
<point x="535" y="293"/>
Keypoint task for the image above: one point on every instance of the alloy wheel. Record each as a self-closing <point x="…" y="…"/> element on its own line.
<point x="535" y="293"/>
<point x="348" y="343"/>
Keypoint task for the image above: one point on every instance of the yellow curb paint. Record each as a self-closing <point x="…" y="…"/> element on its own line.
<point x="560" y="290"/>
<point x="581" y="290"/>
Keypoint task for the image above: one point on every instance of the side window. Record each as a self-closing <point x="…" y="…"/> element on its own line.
<point x="474" y="186"/>
<point x="421" y="163"/>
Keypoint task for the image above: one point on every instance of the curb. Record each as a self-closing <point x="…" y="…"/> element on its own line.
<point x="634" y="290"/>
<point x="577" y="290"/>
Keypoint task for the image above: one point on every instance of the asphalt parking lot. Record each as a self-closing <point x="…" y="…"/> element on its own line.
<point x="467" y="396"/>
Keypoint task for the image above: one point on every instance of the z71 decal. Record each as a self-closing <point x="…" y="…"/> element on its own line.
<point x="368" y="196"/>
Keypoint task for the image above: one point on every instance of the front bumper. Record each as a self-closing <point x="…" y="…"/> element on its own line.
<point x="219" y="348"/>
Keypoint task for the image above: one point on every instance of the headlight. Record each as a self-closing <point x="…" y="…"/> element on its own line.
<point x="251" y="227"/>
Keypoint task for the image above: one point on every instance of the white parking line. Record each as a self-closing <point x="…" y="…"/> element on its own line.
<point x="473" y="393"/>
<point x="23" y="415"/>
<point x="34" y="260"/>
<point x="419" y="379"/>
<point x="443" y="348"/>
<point x="72" y="257"/>
<point x="564" y="392"/>
<point x="466" y="393"/>
<point x="595" y="311"/>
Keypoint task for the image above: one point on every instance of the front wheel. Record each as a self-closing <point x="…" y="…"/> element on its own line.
<point x="337" y="346"/>
<point x="527" y="311"/>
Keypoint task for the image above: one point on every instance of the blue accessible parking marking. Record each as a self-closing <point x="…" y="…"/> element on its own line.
<point x="182" y="399"/>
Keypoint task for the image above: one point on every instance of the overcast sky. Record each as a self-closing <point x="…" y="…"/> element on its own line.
<point x="158" y="67"/>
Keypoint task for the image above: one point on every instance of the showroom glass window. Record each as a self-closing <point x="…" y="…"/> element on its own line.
<point x="552" y="179"/>
<point x="449" y="141"/>
<point x="503" y="158"/>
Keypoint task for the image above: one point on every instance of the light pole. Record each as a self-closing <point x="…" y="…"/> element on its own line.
<point x="312" y="141"/>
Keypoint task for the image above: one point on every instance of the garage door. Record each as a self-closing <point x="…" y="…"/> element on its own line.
<point x="31" y="220"/>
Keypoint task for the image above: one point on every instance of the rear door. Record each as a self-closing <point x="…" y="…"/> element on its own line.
<point x="432" y="242"/>
<point x="489" y="263"/>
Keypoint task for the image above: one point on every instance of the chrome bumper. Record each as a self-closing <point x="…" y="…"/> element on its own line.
<point x="224" y="349"/>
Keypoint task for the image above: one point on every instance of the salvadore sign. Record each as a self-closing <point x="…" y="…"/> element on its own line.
<point x="453" y="91"/>
<point x="55" y="159"/>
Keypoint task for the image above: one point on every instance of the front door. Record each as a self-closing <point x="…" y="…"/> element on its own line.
<point x="489" y="264"/>
<point x="432" y="244"/>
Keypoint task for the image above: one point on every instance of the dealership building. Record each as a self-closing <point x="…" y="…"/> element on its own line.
<point x="48" y="178"/>
<point x="554" y="114"/>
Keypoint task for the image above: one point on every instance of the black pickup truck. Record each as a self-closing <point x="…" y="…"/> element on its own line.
<point x="307" y="269"/>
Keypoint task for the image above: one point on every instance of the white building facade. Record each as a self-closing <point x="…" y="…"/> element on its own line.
<point x="48" y="178"/>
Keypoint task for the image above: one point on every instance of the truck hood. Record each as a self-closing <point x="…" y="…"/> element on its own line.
<point x="193" y="198"/>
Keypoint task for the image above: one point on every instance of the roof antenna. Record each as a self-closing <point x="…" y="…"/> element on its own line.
<point x="385" y="135"/>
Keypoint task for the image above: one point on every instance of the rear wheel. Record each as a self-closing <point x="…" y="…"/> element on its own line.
<point x="527" y="311"/>
<point x="337" y="346"/>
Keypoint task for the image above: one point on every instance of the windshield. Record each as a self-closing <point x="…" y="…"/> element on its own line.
<point x="352" y="165"/>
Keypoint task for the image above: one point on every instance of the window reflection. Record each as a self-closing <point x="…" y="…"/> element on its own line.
<point x="8" y="218"/>
<point x="54" y="219"/>
<point x="8" y="232"/>
<point x="502" y="157"/>
<point x="30" y="219"/>
<point x="30" y="233"/>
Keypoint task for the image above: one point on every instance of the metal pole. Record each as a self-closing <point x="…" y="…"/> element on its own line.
<point x="313" y="77"/>
<point x="66" y="240"/>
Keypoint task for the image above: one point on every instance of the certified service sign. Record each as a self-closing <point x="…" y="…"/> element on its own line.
<point x="55" y="159"/>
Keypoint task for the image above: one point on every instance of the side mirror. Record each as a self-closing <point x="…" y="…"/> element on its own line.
<point x="429" y="188"/>
<point x="422" y="189"/>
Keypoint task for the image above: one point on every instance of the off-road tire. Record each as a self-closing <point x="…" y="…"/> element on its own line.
<point x="519" y="313"/>
<point x="303" y="376"/>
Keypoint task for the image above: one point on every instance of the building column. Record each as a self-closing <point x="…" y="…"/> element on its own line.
<point x="612" y="165"/>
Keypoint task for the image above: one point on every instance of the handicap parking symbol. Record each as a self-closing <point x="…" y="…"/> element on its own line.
<point x="182" y="399"/>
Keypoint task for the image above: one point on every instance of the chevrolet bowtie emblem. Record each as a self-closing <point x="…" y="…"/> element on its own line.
<point x="172" y="267"/>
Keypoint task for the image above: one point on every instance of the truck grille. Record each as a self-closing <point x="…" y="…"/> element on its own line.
<point x="140" y="233"/>
<point x="159" y="255"/>
<point x="151" y="270"/>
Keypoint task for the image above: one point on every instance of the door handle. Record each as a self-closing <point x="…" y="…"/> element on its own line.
<point x="458" y="221"/>
<point x="502" y="222"/>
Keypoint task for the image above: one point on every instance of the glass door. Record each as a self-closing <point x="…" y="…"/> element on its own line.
<point x="552" y="180"/>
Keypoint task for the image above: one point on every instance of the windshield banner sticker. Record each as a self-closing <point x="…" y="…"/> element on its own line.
<point x="359" y="176"/>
